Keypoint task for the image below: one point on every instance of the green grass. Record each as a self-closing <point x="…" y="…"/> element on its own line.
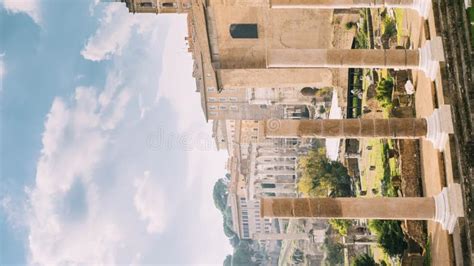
<point x="384" y="168"/>
<point x="389" y="169"/>
<point x="392" y="162"/>
<point x="375" y="158"/>
<point x="427" y="255"/>
<point x="362" y="34"/>
<point x="384" y="95"/>
<point x="399" y="16"/>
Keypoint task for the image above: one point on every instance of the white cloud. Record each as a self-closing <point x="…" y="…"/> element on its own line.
<point x="73" y="146"/>
<point x="102" y="195"/>
<point x="2" y="67"/>
<point x="175" y="81"/>
<point x="3" y="71"/>
<point x="150" y="203"/>
<point x="114" y="32"/>
<point x="29" y="7"/>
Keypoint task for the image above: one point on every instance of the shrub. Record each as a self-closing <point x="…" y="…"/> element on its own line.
<point x="384" y="91"/>
<point x="390" y="27"/>
<point x="322" y="110"/>
<point x="340" y="225"/>
<point x="334" y="251"/>
<point x="364" y="260"/>
<point x="389" y="236"/>
<point x="349" y="25"/>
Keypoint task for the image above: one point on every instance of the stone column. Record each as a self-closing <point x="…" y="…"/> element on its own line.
<point x="444" y="208"/>
<point x="425" y="59"/>
<point x="422" y="6"/>
<point x="435" y="128"/>
<point x="396" y="128"/>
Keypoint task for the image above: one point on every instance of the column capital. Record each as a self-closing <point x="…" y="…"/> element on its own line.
<point x="440" y="125"/>
<point x="431" y="54"/>
<point x="449" y="207"/>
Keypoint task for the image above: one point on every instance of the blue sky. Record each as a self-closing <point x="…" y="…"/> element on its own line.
<point x="105" y="154"/>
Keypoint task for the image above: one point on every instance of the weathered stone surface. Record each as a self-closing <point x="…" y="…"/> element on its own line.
<point x="350" y="208"/>
<point x="349" y="128"/>
<point x="343" y="58"/>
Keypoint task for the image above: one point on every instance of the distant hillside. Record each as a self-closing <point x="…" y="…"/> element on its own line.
<point x="244" y="253"/>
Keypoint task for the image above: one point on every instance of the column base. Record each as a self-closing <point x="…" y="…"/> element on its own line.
<point x="430" y="55"/>
<point x="440" y="125"/>
<point x="449" y="207"/>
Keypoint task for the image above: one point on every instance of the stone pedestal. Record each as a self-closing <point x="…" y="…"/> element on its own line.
<point x="444" y="208"/>
<point x="449" y="207"/>
<point x="440" y="125"/>
<point x="422" y="6"/>
<point x="431" y="54"/>
<point x="425" y="59"/>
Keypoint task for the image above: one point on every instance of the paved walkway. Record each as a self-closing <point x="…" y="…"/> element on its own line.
<point x="432" y="161"/>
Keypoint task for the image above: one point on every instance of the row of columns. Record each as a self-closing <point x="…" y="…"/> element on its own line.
<point x="444" y="208"/>
<point x="309" y="67"/>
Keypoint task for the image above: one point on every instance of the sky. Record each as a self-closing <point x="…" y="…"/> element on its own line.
<point x="106" y="157"/>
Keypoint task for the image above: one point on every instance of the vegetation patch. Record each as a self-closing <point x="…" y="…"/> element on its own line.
<point x="362" y="34"/>
<point x="384" y="94"/>
<point x="243" y="254"/>
<point x="389" y="27"/>
<point x="321" y="177"/>
<point x="427" y="253"/>
<point x="390" y="236"/>
<point x="364" y="260"/>
<point x="334" y="251"/>
<point x="399" y="21"/>
<point x="470" y="13"/>
<point x="341" y="225"/>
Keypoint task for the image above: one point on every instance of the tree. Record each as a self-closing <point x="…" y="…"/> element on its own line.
<point x="321" y="177"/>
<point x="334" y="251"/>
<point x="364" y="260"/>
<point x="243" y="254"/>
<point x="228" y="231"/>
<point x="389" y="236"/>
<point x="220" y="193"/>
<point x="227" y="261"/>
<point x="322" y="110"/>
<point x="340" y="225"/>
<point x="384" y="92"/>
